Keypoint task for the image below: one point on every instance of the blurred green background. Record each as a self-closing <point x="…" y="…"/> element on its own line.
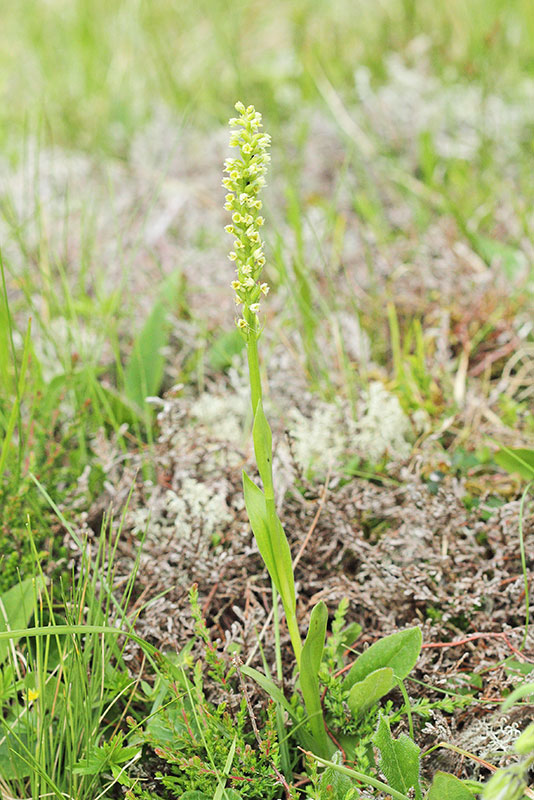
<point x="89" y="72"/>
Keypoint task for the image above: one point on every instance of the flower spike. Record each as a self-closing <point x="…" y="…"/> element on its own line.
<point x="245" y="179"/>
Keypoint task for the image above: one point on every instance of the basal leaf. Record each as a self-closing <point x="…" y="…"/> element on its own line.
<point x="312" y="651"/>
<point x="518" y="460"/>
<point x="310" y="662"/>
<point x="368" y="692"/>
<point x="400" y="759"/>
<point x="448" y="787"/>
<point x="398" y="650"/>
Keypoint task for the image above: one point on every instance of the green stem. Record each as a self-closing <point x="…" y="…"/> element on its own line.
<point x="255" y="397"/>
<point x="524" y="564"/>
<point x="407" y="703"/>
<point x="253" y="362"/>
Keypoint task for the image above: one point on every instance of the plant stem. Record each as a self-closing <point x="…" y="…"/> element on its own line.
<point x="268" y="488"/>
<point x="407" y="703"/>
<point x="253" y="363"/>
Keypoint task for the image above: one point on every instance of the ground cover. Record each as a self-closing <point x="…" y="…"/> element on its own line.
<point x="397" y="376"/>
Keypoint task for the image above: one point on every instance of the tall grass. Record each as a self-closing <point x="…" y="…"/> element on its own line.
<point x="66" y="688"/>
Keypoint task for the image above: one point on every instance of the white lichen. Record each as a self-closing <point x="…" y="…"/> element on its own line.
<point x="196" y="508"/>
<point x="330" y="436"/>
<point x="382" y="429"/>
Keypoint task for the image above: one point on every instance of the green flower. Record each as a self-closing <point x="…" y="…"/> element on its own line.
<point x="246" y="177"/>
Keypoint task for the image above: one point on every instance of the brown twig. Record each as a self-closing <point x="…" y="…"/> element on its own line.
<point x="315" y="520"/>
<point x="473" y="637"/>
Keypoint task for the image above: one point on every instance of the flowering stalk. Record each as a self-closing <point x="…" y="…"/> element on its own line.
<point x="245" y="178"/>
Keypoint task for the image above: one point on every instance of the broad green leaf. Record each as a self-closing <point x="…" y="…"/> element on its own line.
<point x="312" y="651"/>
<point x="263" y="448"/>
<point x="400" y="759"/>
<point x="334" y="785"/>
<point x="194" y="795"/>
<point x="16" y="608"/>
<point x="448" y="787"/>
<point x="366" y="693"/>
<point x="144" y="371"/>
<point x="519" y="460"/>
<point x="398" y="650"/>
<point x="272" y="544"/>
<point x="310" y="663"/>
